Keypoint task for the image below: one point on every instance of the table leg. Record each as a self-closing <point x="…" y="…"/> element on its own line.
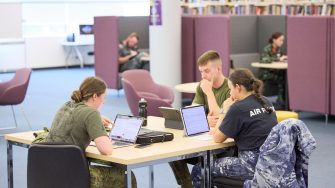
<point x="128" y="177"/>
<point x="204" y="171"/>
<point x="80" y="57"/>
<point x="210" y="168"/>
<point x="151" y="176"/>
<point x="10" y="164"/>
<point x="287" y="102"/>
<point x="68" y="56"/>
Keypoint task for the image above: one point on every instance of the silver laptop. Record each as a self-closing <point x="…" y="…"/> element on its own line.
<point x="194" y="120"/>
<point x="125" y="130"/>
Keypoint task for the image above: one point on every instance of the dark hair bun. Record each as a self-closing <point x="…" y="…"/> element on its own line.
<point x="76" y="96"/>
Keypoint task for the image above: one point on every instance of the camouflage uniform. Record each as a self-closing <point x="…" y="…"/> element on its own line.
<point x="283" y="159"/>
<point x="135" y="62"/>
<point x="241" y="167"/>
<point x="270" y="75"/>
<point x="77" y="123"/>
<point x="107" y="177"/>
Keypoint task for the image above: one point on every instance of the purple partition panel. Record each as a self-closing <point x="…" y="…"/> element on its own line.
<point x="332" y="64"/>
<point x="187" y="49"/>
<point x="307" y="64"/>
<point x="213" y="33"/>
<point x="106" y="50"/>
<point x="188" y="62"/>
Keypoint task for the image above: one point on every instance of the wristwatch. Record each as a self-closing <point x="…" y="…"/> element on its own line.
<point x="222" y="111"/>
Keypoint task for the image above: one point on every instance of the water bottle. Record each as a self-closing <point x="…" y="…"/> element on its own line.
<point x="142" y="110"/>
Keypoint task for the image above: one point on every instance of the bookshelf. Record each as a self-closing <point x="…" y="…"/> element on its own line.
<point x="259" y="7"/>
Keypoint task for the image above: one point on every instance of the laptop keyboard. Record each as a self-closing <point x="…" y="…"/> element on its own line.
<point x="117" y="143"/>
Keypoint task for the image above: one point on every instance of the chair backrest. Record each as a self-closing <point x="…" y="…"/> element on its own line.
<point x="286" y="149"/>
<point x="131" y="95"/>
<point x="56" y="166"/>
<point x="15" y="90"/>
<point x="141" y="80"/>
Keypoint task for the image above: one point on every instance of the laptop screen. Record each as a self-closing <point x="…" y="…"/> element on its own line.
<point x="195" y="120"/>
<point x="126" y="128"/>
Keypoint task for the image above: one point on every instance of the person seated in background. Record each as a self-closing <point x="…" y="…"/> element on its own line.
<point x="79" y="122"/>
<point x="273" y="53"/>
<point x="212" y="91"/>
<point x="129" y="56"/>
<point x="249" y="118"/>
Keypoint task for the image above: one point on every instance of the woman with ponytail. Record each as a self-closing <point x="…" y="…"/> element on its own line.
<point x="248" y="118"/>
<point x="79" y="122"/>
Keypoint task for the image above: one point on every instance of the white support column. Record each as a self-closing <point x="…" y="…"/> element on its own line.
<point x="165" y="47"/>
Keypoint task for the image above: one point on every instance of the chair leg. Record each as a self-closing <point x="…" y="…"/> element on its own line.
<point x="9" y="128"/>
<point x="25" y="117"/>
<point x="14" y="115"/>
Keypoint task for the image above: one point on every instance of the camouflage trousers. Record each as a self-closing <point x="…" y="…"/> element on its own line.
<point x="278" y="77"/>
<point x="180" y="168"/>
<point x="108" y="177"/>
<point x="241" y="167"/>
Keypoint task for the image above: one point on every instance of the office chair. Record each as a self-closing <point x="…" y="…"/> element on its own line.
<point x="13" y="92"/>
<point x="55" y="166"/>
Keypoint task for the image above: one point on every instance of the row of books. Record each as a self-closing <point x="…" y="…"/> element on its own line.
<point x="257" y="1"/>
<point x="275" y="9"/>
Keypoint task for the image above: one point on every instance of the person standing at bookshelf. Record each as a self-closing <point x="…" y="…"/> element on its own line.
<point x="273" y="53"/>
<point x="211" y="92"/>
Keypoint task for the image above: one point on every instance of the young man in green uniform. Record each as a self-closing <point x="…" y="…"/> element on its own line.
<point x="212" y="91"/>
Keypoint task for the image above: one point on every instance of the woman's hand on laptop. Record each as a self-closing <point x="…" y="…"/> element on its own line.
<point x="106" y="121"/>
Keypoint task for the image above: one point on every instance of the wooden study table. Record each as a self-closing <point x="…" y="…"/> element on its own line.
<point x="129" y="158"/>
<point x="187" y="87"/>
<point x="274" y="65"/>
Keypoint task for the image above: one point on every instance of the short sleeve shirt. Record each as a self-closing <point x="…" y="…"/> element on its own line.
<point x="76" y="123"/>
<point x="270" y="55"/>
<point x="248" y="123"/>
<point x="221" y="94"/>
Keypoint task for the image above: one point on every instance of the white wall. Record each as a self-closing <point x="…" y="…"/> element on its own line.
<point x="44" y="25"/>
<point x="44" y="52"/>
<point x="10" y="20"/>
<point x="12" y="54"/>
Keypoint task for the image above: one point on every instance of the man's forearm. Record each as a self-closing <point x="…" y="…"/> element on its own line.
<point x="212" y="104"/>
<point x="124" y="59"/>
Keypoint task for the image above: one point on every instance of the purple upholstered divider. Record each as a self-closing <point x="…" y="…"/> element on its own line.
<point x="187" y="49"/>
<point x="307" y="64"/>
<point x="188" y="60"/>
<point x="213" y="33"/>
<point x="106" y="34"/>
<point x="332" y="64"/>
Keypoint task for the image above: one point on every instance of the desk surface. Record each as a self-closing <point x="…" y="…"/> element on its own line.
<point x="78" y="43"/>
<point x="274" y="65"/>
<point x="187" y="87"/>
<point x="130" y="155"/>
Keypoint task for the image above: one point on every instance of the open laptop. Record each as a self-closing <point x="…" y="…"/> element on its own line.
<point x="195" y="122"/>
<point x="172" y="118"/>
<point x="125" y="130"/>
